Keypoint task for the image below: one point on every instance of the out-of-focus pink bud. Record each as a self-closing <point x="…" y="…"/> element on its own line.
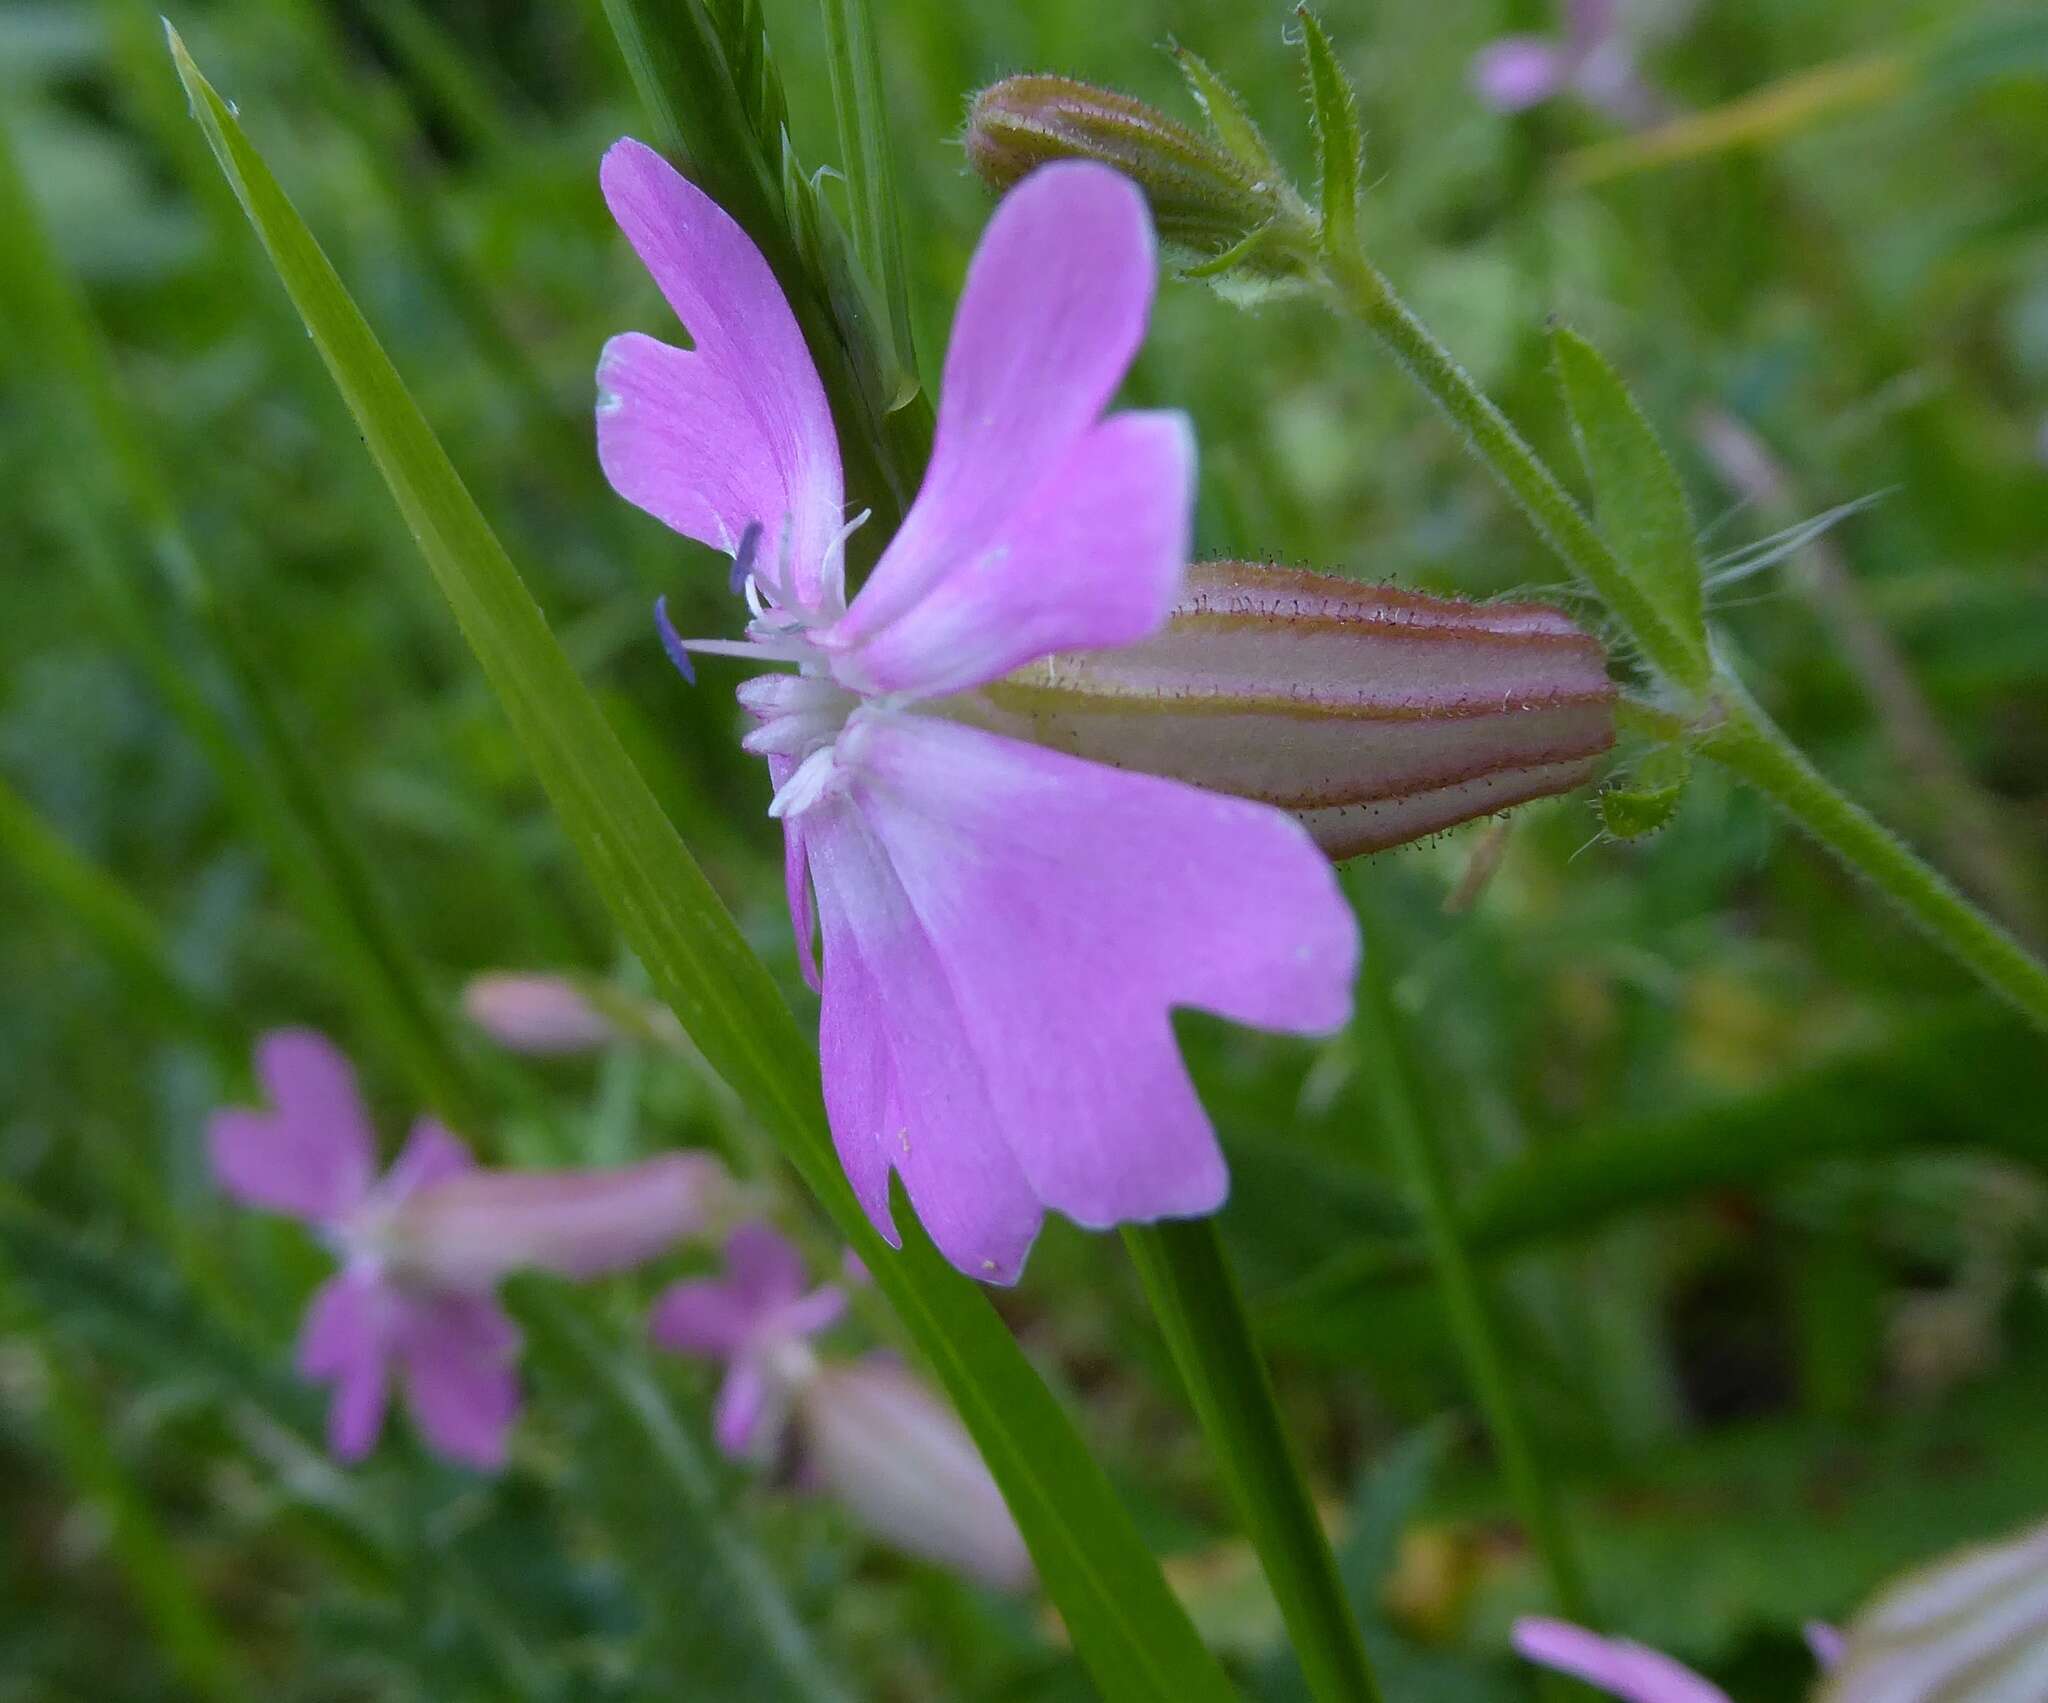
<point x="1375" y="715"/>
<point x="875" y="1439"/>
<point x="536" y="1014"/>
<point x="468" y="1230"/>
<point x="550" y="1015"/>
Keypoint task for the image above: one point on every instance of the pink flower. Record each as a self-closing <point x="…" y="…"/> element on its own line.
<point x="757" y="1319"/>
<point x="865" y="1431"/>
<point x="423" y="1247"/>
<point x="1592" y="60"/>
<point x="1005" y="928"/>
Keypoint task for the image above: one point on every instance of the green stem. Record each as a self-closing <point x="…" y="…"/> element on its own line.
<point x="1748" y="743"/>
<point x="1473" y="1325"/>
<point x="1196" y="1299"/>
<point x="1742" y="739"/>
<point x="1359" y="289"/>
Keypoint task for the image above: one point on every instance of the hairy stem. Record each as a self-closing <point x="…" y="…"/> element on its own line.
<point x="1748" y="743"/>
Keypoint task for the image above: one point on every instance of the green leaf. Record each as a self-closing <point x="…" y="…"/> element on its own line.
<point x="1333" y="104"/>
<point x="1637" y="497"/>
<point x="1124" y="1621"/>
<point x="1230" y="122"/>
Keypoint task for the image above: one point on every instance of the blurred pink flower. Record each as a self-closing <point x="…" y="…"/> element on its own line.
<point x="1593" y="59"/>
<point x="757" y="1319"/>
<point x="1005" y="928"/>
<point x="423" y="1247"/>
<point x="866" y="1432"/>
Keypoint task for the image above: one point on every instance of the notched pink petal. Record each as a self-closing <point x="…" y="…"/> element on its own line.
<point x="1093" y="558"/>
<point x="1632" y="1672"/>
<point x="1052" y="313"/>
<point x="432" y="1154"/>
<point x="904" y="1089"/>
<point x="736" y="429"/>
<point x="1023" y="923"/>
<point x="457" y="1356"/>
<point x="314" y="1153"/>
<point x="469" y="1231"/>
<point x="345" y="1341"/>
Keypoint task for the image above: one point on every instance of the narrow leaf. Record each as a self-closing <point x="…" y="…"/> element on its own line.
<point x="1229" y="120"/>
<point x="1125" y="1623"/>
<point x="1333" y="104"/>
<point x="1637" y="497"/>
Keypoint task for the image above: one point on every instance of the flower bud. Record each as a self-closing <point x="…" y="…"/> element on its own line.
<point x="1376" y="716"/>
<point x="555" y="1015"/>
<point x="1972" y="1626"/>
<point x="882" y="1445"/>
<point x="1208" y="204"/>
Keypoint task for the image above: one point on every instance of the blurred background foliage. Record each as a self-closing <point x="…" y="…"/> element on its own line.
<point x="1759" y="1174"/>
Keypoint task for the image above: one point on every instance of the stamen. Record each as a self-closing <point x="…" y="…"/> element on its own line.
<point x="743" y="557"/>
<point x="678" y="652"/>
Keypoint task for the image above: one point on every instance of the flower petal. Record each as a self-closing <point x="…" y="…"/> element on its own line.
<point x="1053" y="310"/>
<point x="1630" y="1671"/>
<point x="432" y="1154"/>
<point x="904" y="1090"/>
<point x="345" y="1341"/>
<point x="456" y="1352"/>
<point x="1046" y="915"/>
<point x="468" y="1231"/>
<point x="705" y="1316"/>
<point x="1518" y="71"/>
<point x="739" y="1416"/>
<point x="1093" y="558"/>
<point x="313" y="1156"/>
<point x="736" y="429"/>
<point x="761" y="1265"/>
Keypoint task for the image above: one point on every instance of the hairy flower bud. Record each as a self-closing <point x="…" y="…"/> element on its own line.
<point x="1209" y="203"/>
<point x="1376" y="716"/>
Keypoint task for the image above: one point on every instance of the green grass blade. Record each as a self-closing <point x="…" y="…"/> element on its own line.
<point x="258" y="754"/>
<point x="113" y="919"/>
<point x="660" y="1486"/>
<point x="193" y="1644"/>
<point x="857" y="101"/>
<point x="1125" y="1623"/>
<point x="1195" y="1297"/>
